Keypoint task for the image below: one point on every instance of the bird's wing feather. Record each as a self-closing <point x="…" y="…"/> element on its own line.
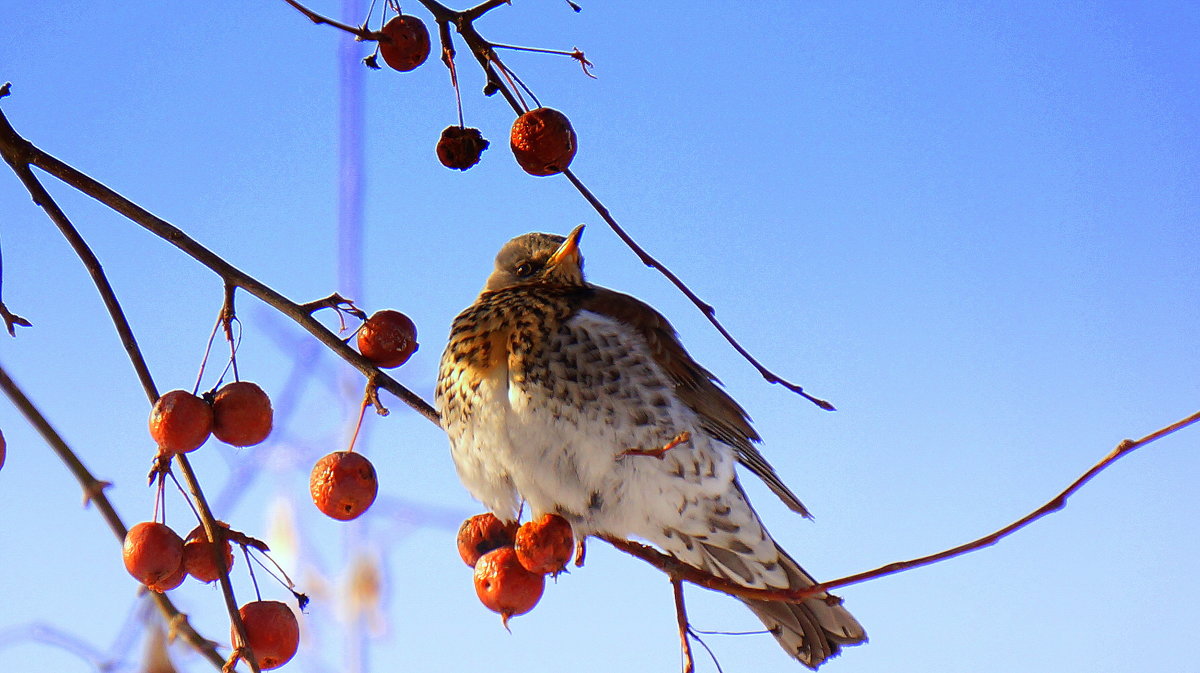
<point x="721" y="416"/>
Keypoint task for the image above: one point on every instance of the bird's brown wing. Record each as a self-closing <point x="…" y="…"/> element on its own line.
<point x="720" y="416"/>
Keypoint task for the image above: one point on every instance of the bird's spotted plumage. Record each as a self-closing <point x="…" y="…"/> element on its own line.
<point x="547" y="380"/>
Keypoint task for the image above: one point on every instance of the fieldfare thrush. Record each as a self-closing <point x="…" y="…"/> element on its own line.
<point x="547" y="383"/>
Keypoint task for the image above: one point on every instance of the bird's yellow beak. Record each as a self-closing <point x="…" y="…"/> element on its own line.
<point x="568" y="251"/>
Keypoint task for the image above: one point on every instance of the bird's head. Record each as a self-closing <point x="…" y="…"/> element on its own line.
<point x="539" y="259"/>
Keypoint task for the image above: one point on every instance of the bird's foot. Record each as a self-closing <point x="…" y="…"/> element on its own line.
<point x="660" y="451"/>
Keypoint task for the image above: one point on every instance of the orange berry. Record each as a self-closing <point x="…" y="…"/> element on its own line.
<point x="152" y="553"/>
<point x="271" y="631"/>
<point x="242" y="414"/>
<point x="198" y="557"/>
<point x="460" y="148"/>
<point x="505" y="586"/>
<point x="543" y="141"/>
<point x="545" y="544"/>
<point x="388" y="338"/>
<point x="407" y="45"/>
<point x="343" y="485"/>
<point x="481" y="534"/>
<point x="180" y="422"/>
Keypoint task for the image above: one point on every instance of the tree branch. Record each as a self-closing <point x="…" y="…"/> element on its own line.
<point x="93" y="490"/>
<point x="680" y="570"/>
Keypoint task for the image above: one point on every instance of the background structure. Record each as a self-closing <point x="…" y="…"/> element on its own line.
<point x="971" y="228"/>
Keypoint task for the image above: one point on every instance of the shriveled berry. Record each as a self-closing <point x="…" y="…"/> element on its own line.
<point x="543" y="141"/>
<point x="180" y="422"/>
<point x="460" y="147"/>
<point x="152" y="552"/>
<point x="545" y="544"/>
<point x="407" y="43"/>
<point x="242" y="414"/>
<point x="198" y="558"/>
<point x="343" y="485"/>
<point x="272" y="632"/>
<point x="388" y="338"/>
<point x="505" y="586"/>
<point x="481" y="534"/>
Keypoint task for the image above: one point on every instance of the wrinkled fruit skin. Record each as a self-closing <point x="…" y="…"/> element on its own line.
<point x="153" y="553"/>
<point x="242" y="414"/>
<point x="481" y="534"/>
<point x="198" y="558"/>
<point x="343" y="485"/>
<point x="388" y="338"/>
<point x="543" y="141"/>
<point x="272" y="631"/>
<point x="408" y="44"/>
<point x="180" y="422"/>
<point x="460" y="148"/>
<point x="545" y="544"/>
<point x="169" y="582"/>
<point x="504" y="585"/>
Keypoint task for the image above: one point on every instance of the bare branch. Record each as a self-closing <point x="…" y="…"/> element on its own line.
<point x="94" y="493"/>
<point x="677" y="569"/>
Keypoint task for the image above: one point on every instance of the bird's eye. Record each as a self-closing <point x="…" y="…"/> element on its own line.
<point x="525" y="269"/>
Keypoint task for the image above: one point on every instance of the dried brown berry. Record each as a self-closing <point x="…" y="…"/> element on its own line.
<point x="407" y="43"/>
<point x="242" y="414"/>
<point x="343" y="485"/>
<point x="481" y="534"/>
<point x="272" y="631"/>
<point x="543" y="141"/>
<point x="545" y="544"/>
<point x="180" y="422"/>
<point x="460" y="147"/>
<point x="505" y="586"/>
<point x="152" y="553"/>
<point x="388" y="338"/>
<point x="198" y="558"/>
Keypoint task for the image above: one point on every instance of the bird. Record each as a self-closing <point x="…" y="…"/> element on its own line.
<point x="561" y="396"/>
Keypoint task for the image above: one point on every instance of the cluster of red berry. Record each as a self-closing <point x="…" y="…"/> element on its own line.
<point x="542" y="139"/>
<point x="511" y="562"/>
<point x="343" y="485"/>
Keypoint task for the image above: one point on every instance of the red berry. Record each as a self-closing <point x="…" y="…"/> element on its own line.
<point x="545" y="544"/>
<point x="504" y="586"/>
<point x="198" y="557"/>
<point x="388" y="338"/>
<point x="3" y="449"/>
<point x="272" y="631"/>
<point x="242" y="414"/>
<point x="153" y="553"/>
<point x="543" y="141"/>
<point x="460" y="147"/>
<point x="407" y="45"/>
<point x="343" y="485"/>
<point x="481" y="534"/>
<point x="180" y="422"/>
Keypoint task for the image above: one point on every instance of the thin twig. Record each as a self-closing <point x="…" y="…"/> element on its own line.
<point x="677" y="569"/>
<point x="681" y="618"/>
<point x="94" y="493"/>
<point x="705" y="308"/>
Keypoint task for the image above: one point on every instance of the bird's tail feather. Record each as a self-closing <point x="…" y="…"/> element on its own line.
<point x="813" y="630"/>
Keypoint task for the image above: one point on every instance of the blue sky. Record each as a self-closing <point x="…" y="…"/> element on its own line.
<point x="971" y="227"/>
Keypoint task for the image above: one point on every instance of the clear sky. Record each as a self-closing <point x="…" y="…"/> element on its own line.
<point x="971" y="226"/>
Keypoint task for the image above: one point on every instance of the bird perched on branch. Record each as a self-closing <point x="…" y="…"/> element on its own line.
<point x="564" y="396"/>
